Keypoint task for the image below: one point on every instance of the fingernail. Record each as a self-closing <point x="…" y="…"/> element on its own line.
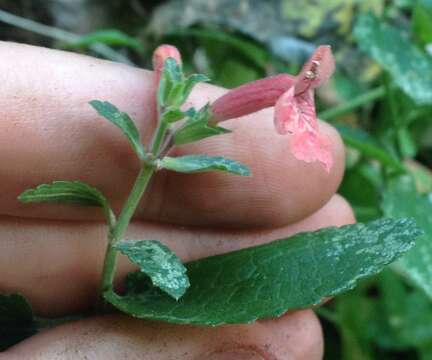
<point x="235" y="355"/>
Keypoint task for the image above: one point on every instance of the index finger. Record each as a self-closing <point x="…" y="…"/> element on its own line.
<point x="49" y="132"/>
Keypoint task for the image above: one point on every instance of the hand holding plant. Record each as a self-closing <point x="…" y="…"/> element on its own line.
<point x="238" y="287"/>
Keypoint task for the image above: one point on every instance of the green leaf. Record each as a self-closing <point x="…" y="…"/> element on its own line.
<point x="368" y="146"/>
<point x="407" y="312"/>
<point x="75" y="192"/>
<point x="421" y="22"/>
<point x="197" y="128"/>
<point x="157" y="261"/>
<point x="111" y="37"/>
<point x="361" y="192"/>
<point x="191" y="81"/>
<point x="16" y="320"/>
<point x="400" y="200"/>
<point x="123" y="122"/>
<point x="410" y="68"/>
<point x="173" y="71"/>
<point x="203" y="163"/>
<point x="171" y="84"/>
<point x="268" y="280"/>
<point x="353" y="312"/>
<point x="174" y="88"/>
<point x="195" y="131"/>
<point x="171" y="115"/>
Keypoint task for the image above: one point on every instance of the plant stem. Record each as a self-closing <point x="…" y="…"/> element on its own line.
<point x="358" y="101"/>
<point x="158" y="138"/>
<point x="118" y="228"/>
<point x="116" y="234"/>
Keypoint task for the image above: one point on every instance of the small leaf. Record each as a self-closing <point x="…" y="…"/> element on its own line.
<point x="191" y="81"/>
<point x="16" y="320"/>
<point x="171" y="84"/>
<point x="410" y="68"/>
<point x="268" y="280"/>
<point x="195" y="131"/>
<point x="174" y="88"/>
<point x="203" y="163"/>
<point x="400" y="200"/>
<point x="122" y="121"/>
<point x="75" y="192"/>
<point x="197" y="128"/>
<point x="173" y="70"/>
<point x="159" y="262"/>
<point x="171" y="115"/>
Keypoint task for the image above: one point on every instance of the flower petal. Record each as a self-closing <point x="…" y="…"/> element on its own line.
<point x="310" y="146"/>
<point x="295" y="112"/>
<point x="317" y="70"/>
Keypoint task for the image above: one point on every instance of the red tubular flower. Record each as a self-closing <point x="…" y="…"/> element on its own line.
<point x="251" y="97"/>
<point x="293" y="98"/>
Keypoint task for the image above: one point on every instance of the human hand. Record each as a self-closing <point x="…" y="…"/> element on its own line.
<point x="53" y="254"/>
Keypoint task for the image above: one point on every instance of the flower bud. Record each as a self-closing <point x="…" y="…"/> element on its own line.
<point x="162" y="53"/>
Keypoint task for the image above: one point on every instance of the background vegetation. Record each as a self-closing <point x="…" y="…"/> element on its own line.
<point x="380" y="99"/>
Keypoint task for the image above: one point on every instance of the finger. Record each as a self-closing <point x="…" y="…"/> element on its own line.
<point x="294" y="336"/>
<point x="60" y="262"/>
<point x="50" y="132"/>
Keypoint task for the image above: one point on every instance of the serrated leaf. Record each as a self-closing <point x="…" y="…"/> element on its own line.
<point x="173" y="71"/>
<point x="16" y="320"/>
<point x="400" y="200"/>
<point x="197" y="128"/>
<point x="203" y="163"/>
<point x="410" y="68"/>
<point x="157" y="261"/>
<point x="75" y="192"/>
<point x="195" y="131"/>
<point x="171" y="115"/>
<point x="122" y="121"/>
<point x="191" y="81"/>
<point x="268" y="280"/>
<point x="171" y="84"/>
<point x="174" y="87"/>
<point x="368" y="146"/>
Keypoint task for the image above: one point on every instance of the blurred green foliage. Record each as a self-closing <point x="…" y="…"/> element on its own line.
<point x="380" y="100"/>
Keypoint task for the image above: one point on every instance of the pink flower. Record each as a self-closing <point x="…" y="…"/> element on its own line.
<point x="295" y="111"/>
<point x="293" y="98"/>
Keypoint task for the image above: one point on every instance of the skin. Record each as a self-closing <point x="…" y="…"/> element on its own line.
<point x="49" y="132"/>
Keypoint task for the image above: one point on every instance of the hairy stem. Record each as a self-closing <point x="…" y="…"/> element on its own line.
<point x="117" y="233"/>
<point x="158" y="138"/>
<point x="118" y="228"/>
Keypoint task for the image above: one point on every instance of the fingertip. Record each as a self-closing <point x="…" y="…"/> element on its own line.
<point x="302" y="331"/>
